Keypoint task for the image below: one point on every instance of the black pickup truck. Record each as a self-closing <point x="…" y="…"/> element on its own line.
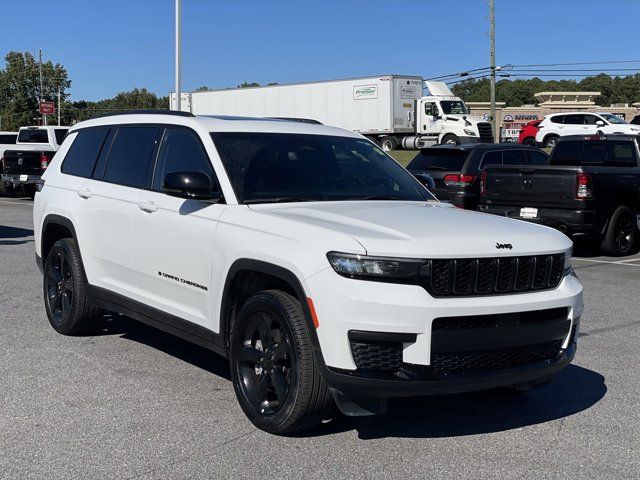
<point x="590" y="187"/>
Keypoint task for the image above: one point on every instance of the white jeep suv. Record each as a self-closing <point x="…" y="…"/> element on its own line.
<point x="304" y="254"/>
<point x="559" y="125"/>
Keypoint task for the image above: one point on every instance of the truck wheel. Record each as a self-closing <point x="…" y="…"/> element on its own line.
<point x="273" y="369"/>
<point x="388" y="143"/>
<point x="450" y="139"/>
<point x="551" y="142"/>
<point x="30" y="191"/>
<point x="6" y="189"/>
<point x="529" y="141"/>
<point x="621" y="233"/>
<point x="65" y="291"/>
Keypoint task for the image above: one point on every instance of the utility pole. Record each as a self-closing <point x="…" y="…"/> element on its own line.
<point x="59" y="105"/>
<point x="178" y="101"/>
<point x="492" y="35"/>
<point x="44" y="117"/>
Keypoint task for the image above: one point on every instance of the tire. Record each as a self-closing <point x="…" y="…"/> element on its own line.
<point x="621" y="233"/>
<point x="529" y="141"/>
<point x="450" y="139"/>
<point x="30" y="191"/>
<point x="388" y="143"/>
<point x="551" y="141"/>
<point x="282" y="391"/>
<point x="65" y="291"/>
<point x="6" y="189"/>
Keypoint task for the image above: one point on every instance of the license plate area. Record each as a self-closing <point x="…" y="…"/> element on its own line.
<point x="528" y="212"/>
<point x="24" y="178"/>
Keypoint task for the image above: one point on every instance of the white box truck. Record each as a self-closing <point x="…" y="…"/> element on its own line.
<point x="389" y="109"/>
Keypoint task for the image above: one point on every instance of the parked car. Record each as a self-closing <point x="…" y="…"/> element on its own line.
<point x="560" y="125"/>
<point x="528" y="133"/>
<point x="303" y="253"/>
<point x="7" y="140"/>
<point x="591" y="187"/>
<point x="456" y="169"/>
<point x="24" y="163"/>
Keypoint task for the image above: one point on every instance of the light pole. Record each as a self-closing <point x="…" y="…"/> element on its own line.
<point x="177" y="104"/>
<point x="492" y="35"/>
<point x="44" y="117"/>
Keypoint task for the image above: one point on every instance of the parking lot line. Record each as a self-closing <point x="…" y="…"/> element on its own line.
<point x="611" y="263"/>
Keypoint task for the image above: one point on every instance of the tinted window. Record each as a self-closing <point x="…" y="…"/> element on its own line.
<point x="591" y="119"/>
<point x="7" y="138"/>
<point x="439" y="159"/>
<point x="60" y="133"/>
<point x="84" y="151"/>
<point x="537" y="158"/>
<point x="558" y="119"/>
<point x="281" y="167"/>
<point x="622" y="154"/>
<point x="130" y="156"/>
<point x="514" y="157"/>
<point x="567" y="152"/>
<point x="491" y="158"/>
<point x="33" y="135"/>
<point x="612" y="153"/>
<point x="181" y="150"/>
<point x="574" y="120"/>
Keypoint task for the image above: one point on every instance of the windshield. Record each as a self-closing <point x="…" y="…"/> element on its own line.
<point x="284" y="167"/>
<point x="613" y="119"/>
<point x="453" y="107"/>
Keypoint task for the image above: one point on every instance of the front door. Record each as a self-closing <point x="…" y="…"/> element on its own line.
<point x="173" y="238"/>
<point x="431" y="124"/>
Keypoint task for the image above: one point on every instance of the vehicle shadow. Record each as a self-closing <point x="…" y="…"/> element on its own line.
<point x="7" y="232"/>
<point x="573" y="390"/>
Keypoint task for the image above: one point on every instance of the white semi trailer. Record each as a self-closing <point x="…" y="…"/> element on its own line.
<point x="389" y="109"/>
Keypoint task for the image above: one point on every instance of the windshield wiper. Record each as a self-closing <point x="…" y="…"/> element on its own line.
<point x="277" y="200"/>
<point x="376" y="197"/>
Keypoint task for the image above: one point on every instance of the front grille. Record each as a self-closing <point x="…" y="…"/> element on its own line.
<point x="379" y="356"/>
<point x="489" y="276"/>
<point x="486" y="132"/>
<point x="497" y="359"/>
<point x="500" y="320"/>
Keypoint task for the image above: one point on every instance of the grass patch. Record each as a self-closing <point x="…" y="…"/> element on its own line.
<point x="403" y="157"/>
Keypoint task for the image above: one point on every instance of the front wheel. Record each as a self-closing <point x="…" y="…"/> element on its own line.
<point x="621" y="233"/>
<point x="275" y="375"/>
<point x="450" y="139"/>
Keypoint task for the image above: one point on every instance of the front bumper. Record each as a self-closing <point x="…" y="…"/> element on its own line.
<point x="571" y="222"/>
<point x="343" y="305"/>
<point x="17" y="179"/>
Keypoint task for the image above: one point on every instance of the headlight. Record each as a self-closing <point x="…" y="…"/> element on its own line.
<point x="471" y="133"/>
<point x="375" y="268"/>
<point x="567" y="261"/>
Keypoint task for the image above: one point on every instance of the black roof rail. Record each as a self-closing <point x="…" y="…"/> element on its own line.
<point x="150" y="111"/>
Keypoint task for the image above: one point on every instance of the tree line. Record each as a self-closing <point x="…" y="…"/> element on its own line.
<point x="516" y="93"/>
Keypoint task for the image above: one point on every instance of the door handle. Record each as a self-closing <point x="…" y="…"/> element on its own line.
<point x="86" y="193"/>
<point x="148" y="207"/>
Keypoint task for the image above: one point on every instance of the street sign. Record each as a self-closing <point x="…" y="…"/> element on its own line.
<point x="47" y="108"/>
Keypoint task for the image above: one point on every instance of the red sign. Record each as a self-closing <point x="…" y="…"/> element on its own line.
<point x="47" y="108"/>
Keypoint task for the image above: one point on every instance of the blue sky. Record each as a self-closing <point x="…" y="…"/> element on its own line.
<point x="116" y="45"/>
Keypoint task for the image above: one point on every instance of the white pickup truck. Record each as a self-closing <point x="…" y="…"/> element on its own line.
<point x="22" y="163"/>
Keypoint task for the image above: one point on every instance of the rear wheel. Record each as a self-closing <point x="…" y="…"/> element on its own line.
<point x="529" y="141"/>
<point x="450" y="139"/>
<point x="274" y="372"/>
<point x="388" y="143"/>
<point x="550" y="142"/>
<point x="6" y="189"/>
<point x="621" y="233"/>
<point x="65" y="291"/>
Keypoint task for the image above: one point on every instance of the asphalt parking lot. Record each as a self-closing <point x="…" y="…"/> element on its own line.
<point x="133" y="402"/>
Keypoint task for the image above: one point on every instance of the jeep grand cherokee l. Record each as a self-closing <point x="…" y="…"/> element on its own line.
<point x="304" y="254"/>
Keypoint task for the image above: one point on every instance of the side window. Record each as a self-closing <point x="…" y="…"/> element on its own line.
<point x="491" y="158"/>
<point x="591" y="119"/>
<point x="181" y="150"/>
<point x="622" y="154"/>
<point x="557" y="119"/>
<point x="514" y="157"/>
<point x="131" y="155"/>
<point x="60" y="134"/>
<point x="83" y="153"/>
<point x="430" y="109"/>
<point x="537" y="158"/>
<point x="594" y="153"/>
<point x="574" y="120"/>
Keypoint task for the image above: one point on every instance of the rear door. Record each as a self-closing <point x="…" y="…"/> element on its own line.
<point x="438" y="163"/>
<point x="173" y="238"/>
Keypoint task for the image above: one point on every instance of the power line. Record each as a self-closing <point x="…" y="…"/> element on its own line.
<point x="574" y="63"/>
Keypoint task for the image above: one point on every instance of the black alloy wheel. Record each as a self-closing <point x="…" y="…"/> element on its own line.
<point x="59" y="287"/>
<point x="265" y="365"/>
<point x="624" y="233"/>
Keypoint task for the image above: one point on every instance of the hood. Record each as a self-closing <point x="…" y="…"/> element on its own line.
<point x="474" y="120"/>
<point x="422" y="229"/>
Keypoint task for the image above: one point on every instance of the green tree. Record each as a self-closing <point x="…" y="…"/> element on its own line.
<point x="20" y="88"/>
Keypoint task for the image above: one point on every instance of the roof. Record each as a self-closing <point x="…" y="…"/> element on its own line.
<point x="618" y="137"/>
<point x="209" y="123"/>
<point x="467" y="147"/>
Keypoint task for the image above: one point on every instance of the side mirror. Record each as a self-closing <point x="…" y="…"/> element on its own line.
<point x="190" y="185"/>
<point x="426" y="180"/>
<point x="600" y="123"/>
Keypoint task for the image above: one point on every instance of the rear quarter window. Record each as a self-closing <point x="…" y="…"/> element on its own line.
<point x="83" y="153"/>
<point x="60" y="134"/>
<point x="8" y="139"/>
